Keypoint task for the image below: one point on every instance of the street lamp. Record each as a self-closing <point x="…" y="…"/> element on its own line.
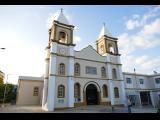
<point x="5" y="84"/>
<point x="5" y="90"/>
<point x="2" y="48"/>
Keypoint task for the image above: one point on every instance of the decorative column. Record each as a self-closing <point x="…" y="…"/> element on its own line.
<point x="111" y="92"/>
<point x="109" y="71"/>
<point x="71" y="78"/>
<point x="152" y="99"/>
<point x="139" y="99"/>
<point x="52" y="78"/>
<point x="46" y="76"/>
<point x="123" y="92"/>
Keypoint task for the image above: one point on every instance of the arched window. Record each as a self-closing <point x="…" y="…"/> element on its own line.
<point x="105" y="91"/>
<point x="110" y="48"/>
<point x="77" y="69"/>
<point x="77" y="92"/>
<point x="63" y="37"/>
<point x="101" y="49"/>
<point x="116" y="92"/>
<point x="62" y="69"/>
<point x="103" y="72"/>
<point x="61" y="91"/>
<point x="114" y="73"/>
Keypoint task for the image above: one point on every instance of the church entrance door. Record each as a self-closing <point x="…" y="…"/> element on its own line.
<point x="91" y="95"/>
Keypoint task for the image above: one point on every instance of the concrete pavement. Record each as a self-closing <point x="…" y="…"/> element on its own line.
<point x="82" y="109"/>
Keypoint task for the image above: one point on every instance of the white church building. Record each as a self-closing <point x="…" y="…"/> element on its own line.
<point x="86" y="77"/>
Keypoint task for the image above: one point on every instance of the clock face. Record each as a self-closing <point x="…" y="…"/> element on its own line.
<point x="62" y="51"/>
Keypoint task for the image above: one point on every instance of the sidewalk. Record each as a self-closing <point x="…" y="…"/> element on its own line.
<point x="82" y="109"/>
<point x="144" y="109"/>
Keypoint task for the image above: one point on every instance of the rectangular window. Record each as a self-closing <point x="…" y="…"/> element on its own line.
<point x="128" y="80"/>
<point x="141" y="81"/>
<point x="157" y="80"/>
<point x="91" y="70"/>
<point x="36" y="91"/>
<point x="61" y="91"/>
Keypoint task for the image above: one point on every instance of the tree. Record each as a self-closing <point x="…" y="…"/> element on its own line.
<point x="9" y="93"/>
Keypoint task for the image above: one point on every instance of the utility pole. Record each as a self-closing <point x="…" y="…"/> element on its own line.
<point x="5" y="91"/>
<point x="2" y="48"/>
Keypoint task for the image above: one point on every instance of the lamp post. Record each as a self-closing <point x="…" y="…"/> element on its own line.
<point x="5" y="90"/>
<point x="2" y="48"/>
<point x="5" y="84"/>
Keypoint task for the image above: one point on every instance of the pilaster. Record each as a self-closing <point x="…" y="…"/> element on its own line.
<point x="71" y="78"/>
<point x="52" y="79"/>
<point x="46" y="76"/>
<point x="111" y="92"/>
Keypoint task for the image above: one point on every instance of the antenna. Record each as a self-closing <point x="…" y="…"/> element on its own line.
<point x="61" y="10"/>
<point x="104" y="23"/>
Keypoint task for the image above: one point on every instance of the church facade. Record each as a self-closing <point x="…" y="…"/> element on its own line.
<point x="77" y="78"/>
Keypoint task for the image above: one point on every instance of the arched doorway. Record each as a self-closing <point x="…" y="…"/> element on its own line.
<point x="91" y="95"/>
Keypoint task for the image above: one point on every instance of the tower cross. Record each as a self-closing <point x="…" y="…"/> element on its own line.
<point x="61" y="10"/>
<point x="103" y="23"/>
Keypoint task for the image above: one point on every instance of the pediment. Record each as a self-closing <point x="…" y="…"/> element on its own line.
<point x="89" y="53"/>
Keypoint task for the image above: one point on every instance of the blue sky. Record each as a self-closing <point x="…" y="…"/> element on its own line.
<point x="24" y="33"/>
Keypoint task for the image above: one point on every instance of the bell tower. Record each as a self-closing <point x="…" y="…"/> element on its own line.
<point x="107" y="46"/>
<point x="106" y="43"/>
<point x="60" y="50"/>
<point x="61" y="31"/>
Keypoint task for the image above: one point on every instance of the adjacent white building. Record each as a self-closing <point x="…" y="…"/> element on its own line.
<point x="143" y="89"/>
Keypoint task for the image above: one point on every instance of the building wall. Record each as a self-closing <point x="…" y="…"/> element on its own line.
<point x="154" y="84"/>
<point x="86" y="57"/>
<point x="84" y="63"/>
<point x="84" y="79"/>
<point x="84" y="82"/>
<point x="149" y="81"/>
<point x="58" y="101"/>
<point x="149" y="86"/>
<point x="25" y="92"/>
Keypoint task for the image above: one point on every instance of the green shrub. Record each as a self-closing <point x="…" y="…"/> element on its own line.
<point x="9" y="96"/>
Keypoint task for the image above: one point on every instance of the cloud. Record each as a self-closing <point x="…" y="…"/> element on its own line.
<point x="146" y="38"/>
<point x="131" y="24"/>
<point x="151" y="29"/>
<point x="141" y="59"/>
<point x="139" y="21"/>
<point x="140" y="63"/>
<point x="76" y="39"/>
<point x="136" y="16"/>
<point x="151" y="63"/>
<point x="125" y="44"/>
<point x="42" y="6"/>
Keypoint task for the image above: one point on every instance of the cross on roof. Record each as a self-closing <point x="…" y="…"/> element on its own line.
<point x="104" y="23"/>
<point x="61" y="10"/>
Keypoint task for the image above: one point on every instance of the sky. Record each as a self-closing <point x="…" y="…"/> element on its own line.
<point x="24" y="34"/>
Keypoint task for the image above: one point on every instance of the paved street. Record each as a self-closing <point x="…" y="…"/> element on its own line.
<point x="84" y="109"/>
